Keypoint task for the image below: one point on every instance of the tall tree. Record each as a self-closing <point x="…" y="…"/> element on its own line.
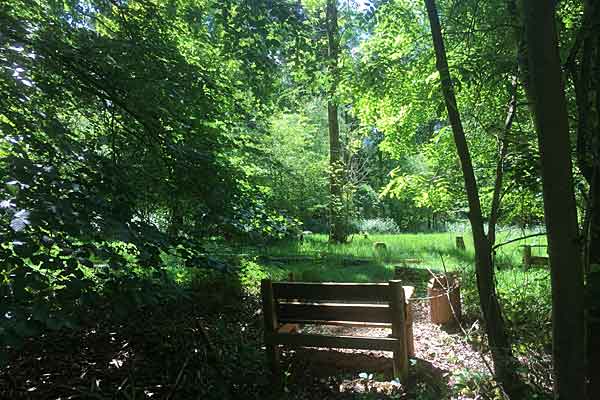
<point x="504" y="361"/>
<point x="551" y="119"/>
<point x="583" y="64"/>
<point x="337" y="230"/>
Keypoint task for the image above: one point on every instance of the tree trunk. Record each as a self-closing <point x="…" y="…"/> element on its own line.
<point x="504" y="362"/>
<point x="337" y="231"/>
<point x="176" y="220"/>
<point x="522" y="51"/>
<point x="584" y="66"/>
<point x="586" y="81"/>
<point x="559" y="201"/>
<point x="502" y="153"/>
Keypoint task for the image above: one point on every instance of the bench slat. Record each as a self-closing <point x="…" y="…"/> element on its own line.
<point x="304" y="312"/>
<point x="367" y="292"/>
<point x="349" y="324"/>
<point x="337" y="342"/>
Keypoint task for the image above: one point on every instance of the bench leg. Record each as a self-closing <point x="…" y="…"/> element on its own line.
<point x="410" y="341"/>
<point x="271" y="327"/>
<point x="399" y="330"/>
<point x="400" y="364"/>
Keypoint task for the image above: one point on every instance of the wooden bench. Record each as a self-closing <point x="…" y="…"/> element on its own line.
<point x="382" y="305"/>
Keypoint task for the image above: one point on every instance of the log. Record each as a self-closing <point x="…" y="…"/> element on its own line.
<point x="440" y="306"/>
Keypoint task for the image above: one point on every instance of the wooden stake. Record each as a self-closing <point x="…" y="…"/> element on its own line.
<point x="526" y="256"/>
<point x="460" y="243"/>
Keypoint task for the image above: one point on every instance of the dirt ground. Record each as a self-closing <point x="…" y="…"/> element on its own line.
<point x="442" y="358"/>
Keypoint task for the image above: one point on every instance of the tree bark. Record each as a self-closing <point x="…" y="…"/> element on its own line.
<point x="587" y="92"/>
<point x="583" y="64"/>
<point x="504" y="362"/>
<point x="559" y="201"/>
<point x="337" y="231"/>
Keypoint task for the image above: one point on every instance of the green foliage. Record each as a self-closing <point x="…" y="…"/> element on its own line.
<point x="470" y="383"/>
<point x="125" y="126"/>
<point x="527" y="305"/>
<point x="250" y="274"/>
<point x="294" y="176"/>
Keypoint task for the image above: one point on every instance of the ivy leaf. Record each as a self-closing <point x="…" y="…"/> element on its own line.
<point x="6" y="205"/>
<point x="20" y="220"/>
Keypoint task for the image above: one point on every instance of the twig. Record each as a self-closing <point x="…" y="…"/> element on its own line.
<point x="517" y="239"/>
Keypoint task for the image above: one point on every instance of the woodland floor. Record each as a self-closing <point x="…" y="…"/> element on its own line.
<point x="200" y="348"/>
<point x="440" y="353"/>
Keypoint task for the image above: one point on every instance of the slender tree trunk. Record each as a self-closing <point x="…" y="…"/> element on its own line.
<point x="584" y="67"/>
<point x="586" y="81"/>
<point x="337" y="230"/>
<point x="504" y="362"/>
<point x="176" y="220"/>
<point x="522" y="51"/>
<point x="502" y="153"/>
<point x="559" y="201"/>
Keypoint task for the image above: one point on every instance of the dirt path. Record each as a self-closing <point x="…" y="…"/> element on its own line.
<point x="445" y="365"/>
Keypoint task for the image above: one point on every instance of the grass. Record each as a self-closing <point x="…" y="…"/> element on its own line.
<point x="433" y="250"/>
<point x="524" y="295"/>
<point x="314" y="259"/>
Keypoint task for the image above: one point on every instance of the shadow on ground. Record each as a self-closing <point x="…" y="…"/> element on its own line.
<point x="352" y="374"/>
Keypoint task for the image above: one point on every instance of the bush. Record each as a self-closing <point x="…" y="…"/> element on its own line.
<point x="377" y="225"/>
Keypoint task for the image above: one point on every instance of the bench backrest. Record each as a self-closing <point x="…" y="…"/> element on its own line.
<point x="307" y="302"/>
<point x="310" y="302"/>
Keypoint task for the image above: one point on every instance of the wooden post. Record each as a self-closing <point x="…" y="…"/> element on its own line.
<point x="271" y="326"/>
<point x="460" y="243"/>
<point x="380" y="249"/>
<point x="398" y="307"/>
<point x="526" y="256"/>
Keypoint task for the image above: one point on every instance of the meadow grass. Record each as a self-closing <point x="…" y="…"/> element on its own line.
<point x="315" y="259"/>
<point x="433" y="250"/>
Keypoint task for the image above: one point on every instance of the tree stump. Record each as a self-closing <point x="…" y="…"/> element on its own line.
<point x="444" y="302"/>
<point x="460" y="243"/>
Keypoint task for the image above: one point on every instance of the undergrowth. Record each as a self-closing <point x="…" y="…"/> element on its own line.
<point x="183" y="332"/>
